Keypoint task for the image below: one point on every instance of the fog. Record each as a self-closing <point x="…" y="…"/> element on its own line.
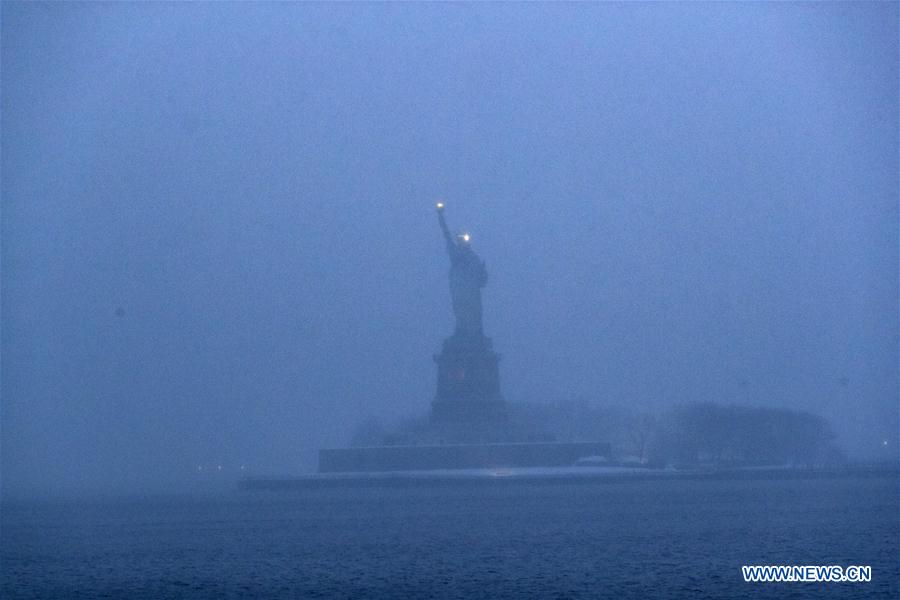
<point x="219" y="244"/>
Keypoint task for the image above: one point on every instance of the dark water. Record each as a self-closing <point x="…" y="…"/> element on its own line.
<point x="637" y="539"/>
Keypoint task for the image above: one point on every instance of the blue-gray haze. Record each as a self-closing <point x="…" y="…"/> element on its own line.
<point x="219" y="244"/>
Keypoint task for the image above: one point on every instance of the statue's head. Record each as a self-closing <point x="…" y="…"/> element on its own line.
<point x="463" y="239"/>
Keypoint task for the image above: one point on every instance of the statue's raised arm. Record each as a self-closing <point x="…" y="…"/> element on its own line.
<point x="443" y="223"/>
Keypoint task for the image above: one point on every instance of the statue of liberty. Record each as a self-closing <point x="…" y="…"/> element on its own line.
<point x="467" y="276"/>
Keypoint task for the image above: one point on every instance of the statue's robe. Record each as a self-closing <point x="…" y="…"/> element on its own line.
<point x="467" y="276"/>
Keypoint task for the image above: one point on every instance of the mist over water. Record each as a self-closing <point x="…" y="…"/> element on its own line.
<point x="463" y="540"/>
<point x="219" y="246"/>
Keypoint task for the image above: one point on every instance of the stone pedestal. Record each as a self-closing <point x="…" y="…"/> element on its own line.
<point x="468" y="383"/>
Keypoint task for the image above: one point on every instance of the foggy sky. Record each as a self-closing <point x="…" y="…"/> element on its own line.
<point x="219" y="245"/>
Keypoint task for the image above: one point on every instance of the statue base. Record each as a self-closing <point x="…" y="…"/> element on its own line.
<point x="468" y="383"/>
